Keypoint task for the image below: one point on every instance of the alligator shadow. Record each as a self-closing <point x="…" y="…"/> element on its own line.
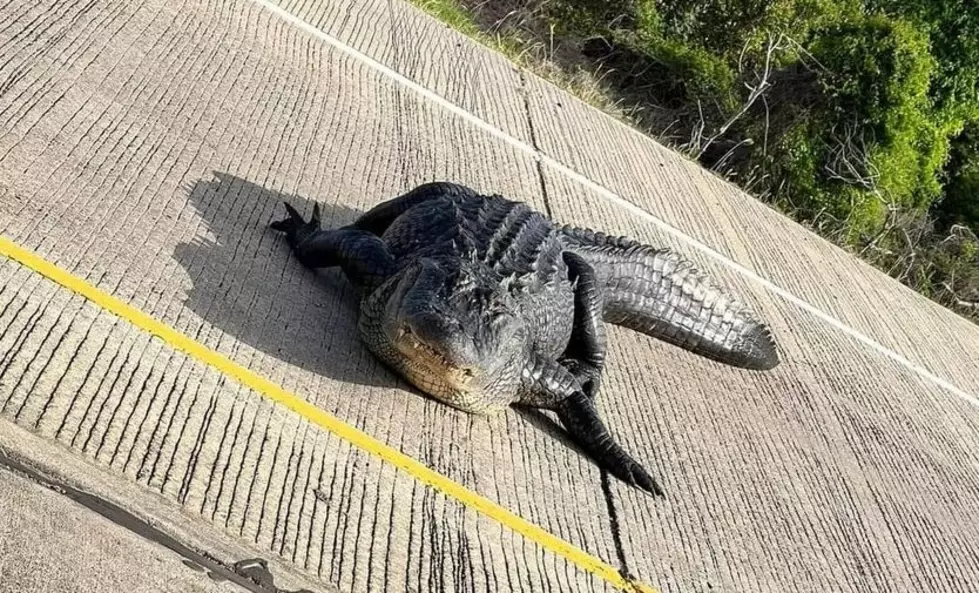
<point x="549" y="425"/>
<point x="246" y="282"/>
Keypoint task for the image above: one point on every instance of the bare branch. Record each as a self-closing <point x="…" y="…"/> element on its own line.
<point x="756" y="91"/>
<point x="849" y="161"/>
<point x="959" y="302"/>
<point x="697" y="133"/>
<point x="805" y="52"/>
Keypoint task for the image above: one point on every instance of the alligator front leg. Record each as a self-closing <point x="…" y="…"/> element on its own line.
<point x="363" y="256"/>
<point x="547" y="384"/>
<point x="380" y="217"/>
<point x="585" y="354"/>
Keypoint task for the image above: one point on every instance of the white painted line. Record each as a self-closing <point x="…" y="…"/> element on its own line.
<point x="613" y="197"/>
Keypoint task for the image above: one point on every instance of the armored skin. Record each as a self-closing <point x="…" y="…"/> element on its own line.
<point x="482" y="302"/>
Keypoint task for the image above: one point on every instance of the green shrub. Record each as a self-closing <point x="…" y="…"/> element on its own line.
<point x="873" y="138"/>
<point x="800" y="159"/>
<point x="584" y="18"/>
<point x="695" y="73"/>
<point x="669" y="70"/>
<point x="953" y="30"/>
<point x="960" y="204"/>
<point x="728" y="28"/>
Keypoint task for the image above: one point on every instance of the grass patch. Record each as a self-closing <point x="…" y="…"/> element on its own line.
<point x="453" y="14"/>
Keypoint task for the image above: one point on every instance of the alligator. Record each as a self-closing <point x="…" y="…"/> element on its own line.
<point x="481" y="302"/>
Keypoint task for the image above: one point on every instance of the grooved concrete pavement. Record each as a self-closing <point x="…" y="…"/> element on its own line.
<point x="146" y="146"/>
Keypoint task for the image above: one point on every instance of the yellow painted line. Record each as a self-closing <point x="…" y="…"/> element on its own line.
<point x="321" y="418"/>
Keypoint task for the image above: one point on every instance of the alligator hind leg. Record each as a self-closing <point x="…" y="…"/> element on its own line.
<point x="549" y="385"/>
<point x="363" y="257"/>
<point x="580" y="417"/>
<point x="585" y="354"/>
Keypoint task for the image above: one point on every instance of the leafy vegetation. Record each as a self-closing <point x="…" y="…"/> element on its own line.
<point x="857" y="117"/>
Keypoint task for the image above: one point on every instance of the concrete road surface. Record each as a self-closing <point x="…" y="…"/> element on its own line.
<point x="168" y="357"/>
<point x="83" y="552"/>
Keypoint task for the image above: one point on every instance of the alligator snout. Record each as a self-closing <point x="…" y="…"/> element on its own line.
<point x="443" y="336"/>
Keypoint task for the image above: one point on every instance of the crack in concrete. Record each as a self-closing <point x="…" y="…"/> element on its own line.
<point x="613" y="517"/>
<point x="533" y="141"/>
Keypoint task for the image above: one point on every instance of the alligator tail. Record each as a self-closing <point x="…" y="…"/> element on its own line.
<point x="659" y="293"/>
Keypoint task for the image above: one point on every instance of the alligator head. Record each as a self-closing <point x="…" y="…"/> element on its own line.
<point x="456" y="331"/>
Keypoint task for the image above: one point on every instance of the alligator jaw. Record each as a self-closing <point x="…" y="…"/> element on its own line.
<point x="446" y="376"/>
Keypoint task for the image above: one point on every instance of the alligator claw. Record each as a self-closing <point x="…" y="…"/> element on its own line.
<point x="634" y="474"/>
<point x="294" y="221"/>
<point x="281" y="225"/>
<point x="296" y="226"/>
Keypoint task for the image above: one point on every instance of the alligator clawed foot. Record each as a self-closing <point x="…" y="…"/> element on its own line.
<point x="294" y="221"/>
<point x="640" y="478"/>
<point x="580" y="418"/>
<point x="296" y="226"/>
